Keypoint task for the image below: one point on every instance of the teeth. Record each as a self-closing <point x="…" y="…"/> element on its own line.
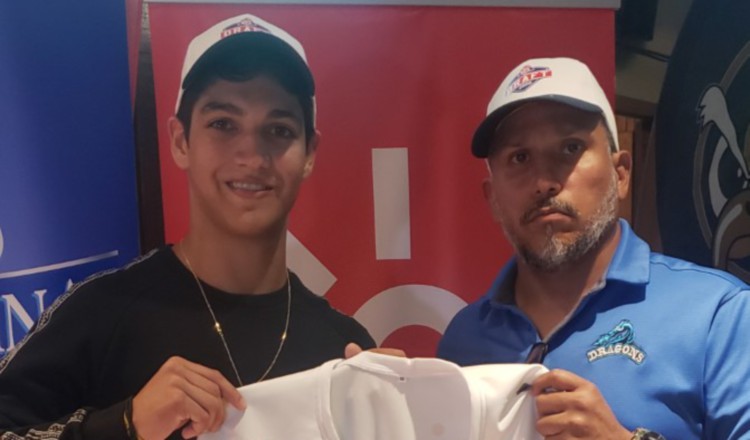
<point x="248" y="186"/>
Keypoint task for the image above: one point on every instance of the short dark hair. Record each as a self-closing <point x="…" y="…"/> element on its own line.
<point x="238" y="69"/>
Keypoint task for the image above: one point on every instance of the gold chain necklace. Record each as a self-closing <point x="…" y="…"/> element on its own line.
<point x="217" y="326"/>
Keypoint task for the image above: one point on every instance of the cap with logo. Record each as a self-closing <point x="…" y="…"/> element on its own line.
<point x="564" y="80"/>
<point x="243" y="39"/>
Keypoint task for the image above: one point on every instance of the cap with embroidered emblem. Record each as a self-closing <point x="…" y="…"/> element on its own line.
<point x="564" y="80"/>
<point x="244" y="38"/>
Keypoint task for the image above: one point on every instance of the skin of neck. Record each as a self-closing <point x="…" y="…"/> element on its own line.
<point x="547" y="297"/>
<point x="242" y="265"/>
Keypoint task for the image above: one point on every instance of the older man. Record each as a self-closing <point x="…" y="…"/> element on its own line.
<point x="642" y="345"/>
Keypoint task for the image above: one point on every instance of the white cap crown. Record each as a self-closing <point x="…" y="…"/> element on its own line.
<point x="564" y="80"/>
<point x="266" y="35"/>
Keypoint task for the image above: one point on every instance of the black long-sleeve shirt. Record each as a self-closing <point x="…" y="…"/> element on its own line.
<point x="100" y="342"/>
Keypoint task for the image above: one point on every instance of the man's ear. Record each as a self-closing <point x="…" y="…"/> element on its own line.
<point x="178" y="144"/>
<point x="312" y="151"/>
<point x="623" y="164"/>
<point x="489" y="196"/>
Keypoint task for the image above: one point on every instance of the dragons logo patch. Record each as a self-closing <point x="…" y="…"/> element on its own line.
<point x="620" y="341"/>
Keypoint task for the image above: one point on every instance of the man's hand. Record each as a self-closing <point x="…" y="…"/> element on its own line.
<point x="353" y="349"/>
<point x="571" y="407"/>
<point x="183" y="393"/>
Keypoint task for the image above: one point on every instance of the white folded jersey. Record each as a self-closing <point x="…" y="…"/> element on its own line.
<point x="377" y="397"/>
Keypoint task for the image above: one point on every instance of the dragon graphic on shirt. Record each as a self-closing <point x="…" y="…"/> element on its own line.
<point x="619" y="341"/>
<point x="621" y="334"/>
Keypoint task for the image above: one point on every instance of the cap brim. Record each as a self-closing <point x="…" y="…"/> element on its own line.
<point x="480" y="143"/>
<point x="254" y="47"/>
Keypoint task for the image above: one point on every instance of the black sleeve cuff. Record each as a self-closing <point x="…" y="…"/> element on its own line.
<point x="106" y="423"/>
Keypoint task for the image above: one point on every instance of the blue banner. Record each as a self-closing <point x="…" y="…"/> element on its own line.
<point x="68" y="204"/>
<point x="703" y="139"/>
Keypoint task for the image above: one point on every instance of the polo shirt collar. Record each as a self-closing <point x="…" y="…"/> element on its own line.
<point x="630" y="264"/>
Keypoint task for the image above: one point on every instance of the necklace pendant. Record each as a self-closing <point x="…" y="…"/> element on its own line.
<point x="217" y="327"/>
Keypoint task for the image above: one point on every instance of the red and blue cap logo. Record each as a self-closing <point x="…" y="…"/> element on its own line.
<point x="527" y="77"/>
<point x="244" y="25"/>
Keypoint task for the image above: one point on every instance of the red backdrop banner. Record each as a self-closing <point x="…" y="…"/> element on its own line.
<point x="392" y="226"/>
<point x="133" y="11"/>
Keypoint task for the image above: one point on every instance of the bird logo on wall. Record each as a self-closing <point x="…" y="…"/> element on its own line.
<point x="702" y="140"/>
<point x="722" y="197"/>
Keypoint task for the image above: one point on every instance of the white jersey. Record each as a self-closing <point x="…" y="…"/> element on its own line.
<point x="378" y="397"/>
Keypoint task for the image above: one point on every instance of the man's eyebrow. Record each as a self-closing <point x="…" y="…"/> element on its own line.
<point x="502" y="147"/>
<point x="233" y="109"/>
<point x="282" y="113"/>
<point x="575" y="129"/>
<point x="220" y="106"/>
<point x="506" y="141"/>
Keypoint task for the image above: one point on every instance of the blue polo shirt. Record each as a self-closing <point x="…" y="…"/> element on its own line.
<point x="667" y="342"/>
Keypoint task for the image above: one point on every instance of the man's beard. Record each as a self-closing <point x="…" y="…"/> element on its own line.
<point x="556" y="252"/>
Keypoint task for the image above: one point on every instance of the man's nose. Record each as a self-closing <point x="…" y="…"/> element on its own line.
<point x="249" y="151"/>
<point x="548" y="180"/>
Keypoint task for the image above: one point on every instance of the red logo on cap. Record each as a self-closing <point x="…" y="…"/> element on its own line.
<point x="245" y="25"/>
<point x="527" y="77"/>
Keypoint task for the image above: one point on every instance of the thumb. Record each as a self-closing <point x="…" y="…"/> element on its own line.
<point x="351" y="350"/>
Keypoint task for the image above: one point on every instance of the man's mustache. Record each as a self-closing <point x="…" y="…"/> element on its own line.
<point x="546" y="206"/>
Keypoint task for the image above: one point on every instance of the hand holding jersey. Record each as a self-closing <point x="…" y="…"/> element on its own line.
<point x="571" y="407"/>
<point x="186" y="395"/>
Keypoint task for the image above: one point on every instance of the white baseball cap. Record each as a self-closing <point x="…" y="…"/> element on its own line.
<point x="562" y="80"/>
<point x="245" y="38"/>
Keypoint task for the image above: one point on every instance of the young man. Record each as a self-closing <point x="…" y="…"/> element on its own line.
<point x="643" y="344"/>
<point x="156" y="349"/>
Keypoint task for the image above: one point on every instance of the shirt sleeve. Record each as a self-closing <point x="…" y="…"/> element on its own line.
<point x="83" y="424"/>
<point x="45" y="379"/>
<point x="727" y="370"/>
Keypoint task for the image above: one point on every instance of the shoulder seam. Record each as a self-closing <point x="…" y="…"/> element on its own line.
<point x="718" y="273"/>
<point x="47" y="314"/>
